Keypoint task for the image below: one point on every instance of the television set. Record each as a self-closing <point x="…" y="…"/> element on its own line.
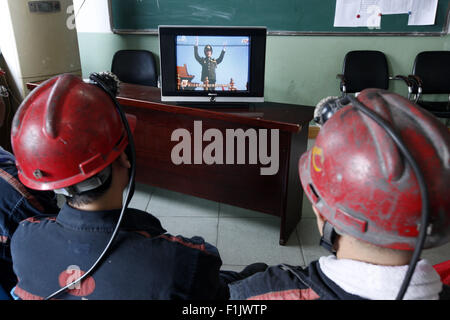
<point x="212" y="64"/>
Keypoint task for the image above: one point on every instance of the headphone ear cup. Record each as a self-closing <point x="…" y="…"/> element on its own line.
<point x="327" y="107"/>
<point x="325" y="110"/>
<point x="328" y="238"/>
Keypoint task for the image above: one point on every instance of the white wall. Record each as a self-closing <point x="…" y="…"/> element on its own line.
<point x="8" y="45"/>
<point x="37" y="46"/>
<point x="92" y="16"/>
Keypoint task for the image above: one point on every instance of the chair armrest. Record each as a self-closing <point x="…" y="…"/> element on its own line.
<point x="417" y="85"/>
<point x="341" y="77"/>
<point x="417" y="81"/>
<point x="408" y="81"/>
<point x="343" y="83"/>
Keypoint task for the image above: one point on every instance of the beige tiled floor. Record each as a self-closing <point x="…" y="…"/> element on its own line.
<point x="241" y="236"/>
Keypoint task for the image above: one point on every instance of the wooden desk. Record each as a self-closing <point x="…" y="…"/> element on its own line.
<point x="239" y="185"/>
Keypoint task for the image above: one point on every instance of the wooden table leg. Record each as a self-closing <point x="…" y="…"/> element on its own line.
<point x="292" y="205"/>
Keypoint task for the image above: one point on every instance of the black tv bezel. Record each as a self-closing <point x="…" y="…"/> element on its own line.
<point x="167" y="45"/>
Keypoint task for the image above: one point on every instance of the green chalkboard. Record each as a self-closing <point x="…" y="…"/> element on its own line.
<point x="279" y="16"/>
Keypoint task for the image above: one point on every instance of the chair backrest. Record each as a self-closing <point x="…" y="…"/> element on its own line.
<point x="135" y="66"/>
<point x="365" y="69"/>
<point x="433" y="69"/>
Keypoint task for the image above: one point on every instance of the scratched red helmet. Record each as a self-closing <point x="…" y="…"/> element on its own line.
<point x="361" y="183"/>
<point x="65" y="132"/>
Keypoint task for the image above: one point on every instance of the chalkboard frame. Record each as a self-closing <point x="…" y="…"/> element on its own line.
<point x="445" y="30"/>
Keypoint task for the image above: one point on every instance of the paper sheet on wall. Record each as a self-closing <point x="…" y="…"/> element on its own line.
<point x="423" y="12"/>
<point x="368" y="13"/>
<point x="357" y="13"/>
<point x="395" y="6"/>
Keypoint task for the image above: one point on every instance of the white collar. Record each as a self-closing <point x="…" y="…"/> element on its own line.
<point x="378" y="282"/>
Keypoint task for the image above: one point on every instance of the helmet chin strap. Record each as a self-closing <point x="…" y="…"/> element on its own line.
<point x="328" y="238"/>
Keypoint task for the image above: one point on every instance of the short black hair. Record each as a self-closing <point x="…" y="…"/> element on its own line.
<point x="90" y="196"/>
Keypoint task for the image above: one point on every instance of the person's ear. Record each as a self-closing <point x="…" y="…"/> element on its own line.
<point x="123" y="160"/>
<point x="320" y="220"/>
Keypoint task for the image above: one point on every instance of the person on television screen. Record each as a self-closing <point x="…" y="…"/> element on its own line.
<point x="208" y="63"/>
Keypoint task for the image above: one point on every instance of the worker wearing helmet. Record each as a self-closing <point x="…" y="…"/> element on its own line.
<point x="368" y="205"/>
<point x="68" y="136"/>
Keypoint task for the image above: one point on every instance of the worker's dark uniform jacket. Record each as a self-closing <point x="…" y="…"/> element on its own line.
<point x="284" y="282"/>
<point x="209" y="65"/>
<point x="144" y="262"/>
<point x="16" y="204"/>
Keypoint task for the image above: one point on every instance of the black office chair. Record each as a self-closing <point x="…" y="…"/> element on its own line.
<point x="135" y="66"/>
<point x="431" y="75"/>
<point x="364" y="69"/>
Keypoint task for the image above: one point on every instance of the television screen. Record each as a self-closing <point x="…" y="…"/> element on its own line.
<point x="212" y="64"/>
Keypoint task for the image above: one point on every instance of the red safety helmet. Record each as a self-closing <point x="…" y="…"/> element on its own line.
<point x="361" y="183"/>
<point x="65" y="132"/>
